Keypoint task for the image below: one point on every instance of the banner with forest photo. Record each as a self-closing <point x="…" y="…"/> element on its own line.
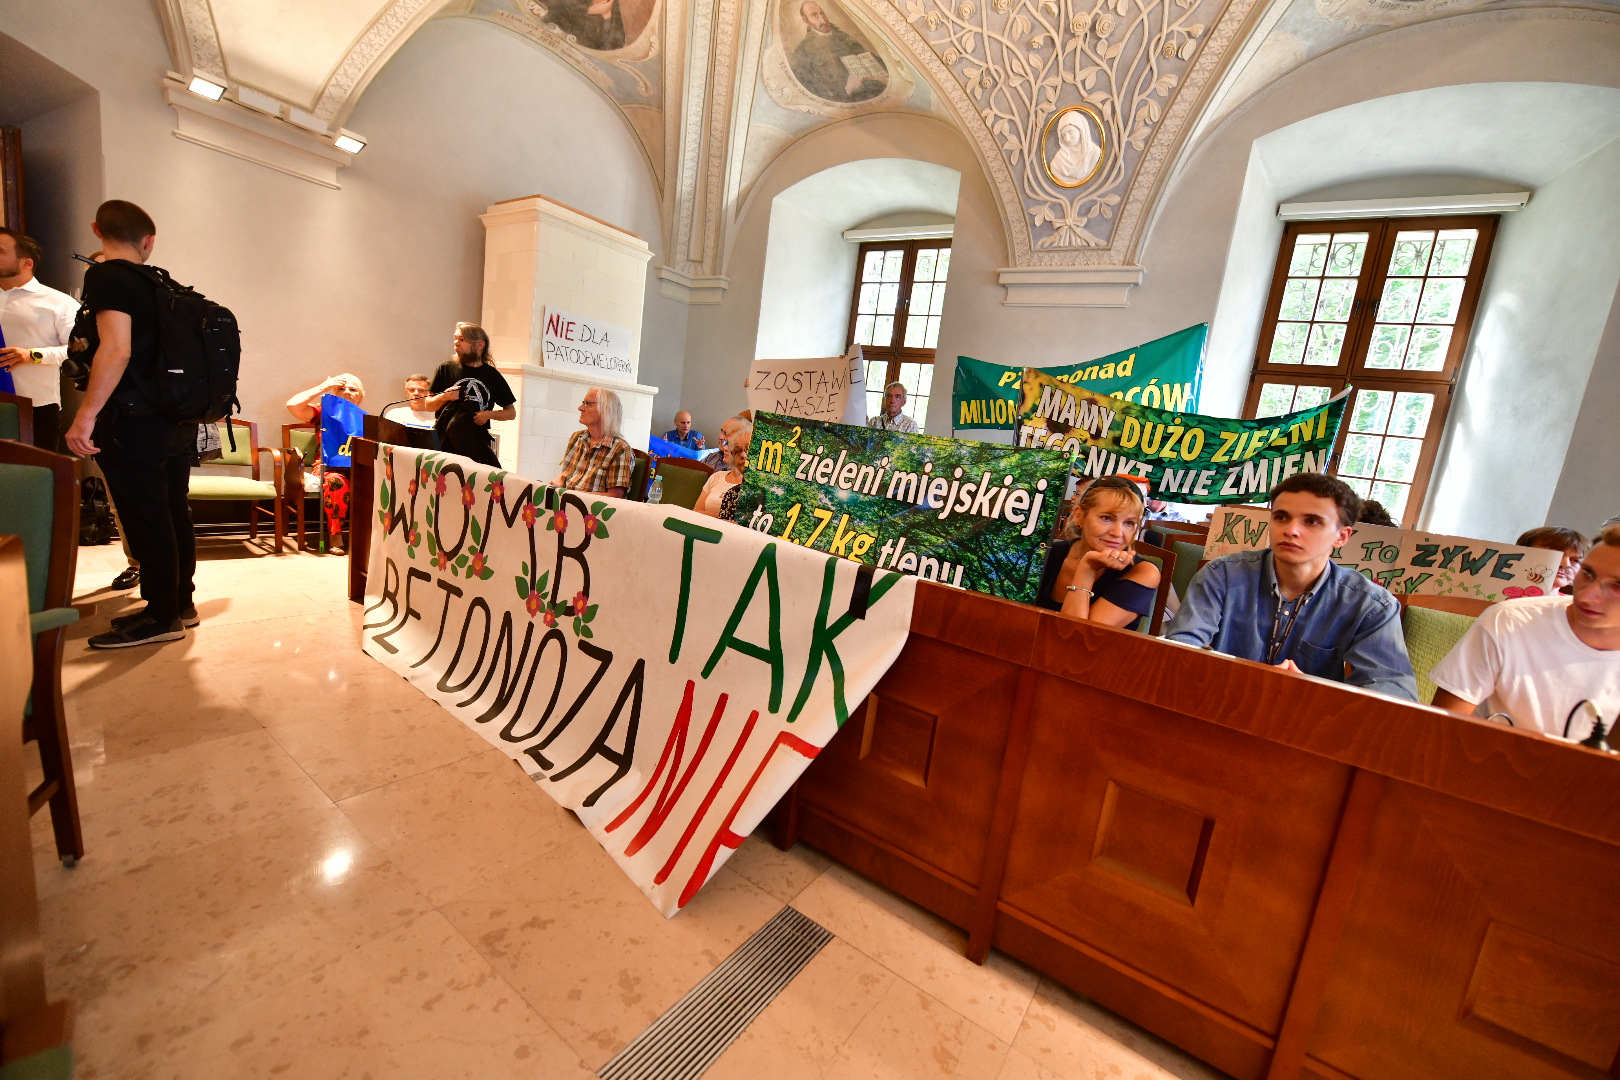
<point x="969" y="514"/>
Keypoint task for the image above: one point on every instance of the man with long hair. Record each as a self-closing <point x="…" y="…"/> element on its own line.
<point x="597" y="458"/>
<point x="468" y="393"/>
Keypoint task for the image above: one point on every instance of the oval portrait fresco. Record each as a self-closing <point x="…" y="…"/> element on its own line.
<point x="829" y="54"/>
<point x="600" y="25"/>
<point x="1072" y="146"/>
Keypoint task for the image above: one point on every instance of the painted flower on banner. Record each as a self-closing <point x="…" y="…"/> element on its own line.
<point x="531" y="590"/>
<point x="468" y="496"/>
<point x="1516" y="592"/>
<point x="479" y="566"/>
<point x="441" y="561"/>
<point x="549" y="617"/>
<point x="558" y="522"/>
<point x="580" y="602"/>
<point x="595" y="520"/>
<point x="440" y="485"/>
<point x="531" y="604"/>
<point x="530" y="515"/>
<point x="496" y="487"/>
<point x="411" y="491"/>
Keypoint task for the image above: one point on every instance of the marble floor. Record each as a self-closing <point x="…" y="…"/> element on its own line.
<point x="298" y="866"/>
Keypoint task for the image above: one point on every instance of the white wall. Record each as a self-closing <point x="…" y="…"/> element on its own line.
<point x="370" y="278"/>
<point x="810" y="267"/>
<point x="1588" y="491"/>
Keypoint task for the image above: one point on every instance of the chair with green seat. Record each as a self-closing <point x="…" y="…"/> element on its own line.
<point x="285" y="491"/>
<point x="1188" y="556"/>
<point x="17" y="418"/>
<point x="637" y="491"/>
<point x="39" y="501"/>
<point x="1430" y="635"/>
<point x="683" y="481"/>
<point x="1166" y="562"/>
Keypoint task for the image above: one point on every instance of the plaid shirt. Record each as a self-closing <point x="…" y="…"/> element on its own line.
<point x="598" y="467"/>
<point x="883" y="422"/>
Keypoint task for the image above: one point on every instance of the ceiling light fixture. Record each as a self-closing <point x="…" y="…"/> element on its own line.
<point x="349" y="141"/>
<point x="207" y="88"/>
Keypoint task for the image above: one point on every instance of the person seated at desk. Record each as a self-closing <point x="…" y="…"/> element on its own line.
<point x="1570" y="543"/>
<point x="333" y="484"/>
<point x="1096" y="577"/>
<point x="413" y="411"/>
<point x="722" y="482"/>
<point x="1290" y="605"/>
<point x="597" y="459"/>
<point x="719" y="458"/>
<point x="682" y="434"/>
<point x="1542" y="659"/>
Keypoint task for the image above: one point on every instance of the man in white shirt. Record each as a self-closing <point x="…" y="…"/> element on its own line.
<point x="1551" y="663"/>
<point x="892" y="418"/>
<point x="37" y="321"/>
<point x="414" y="412"/>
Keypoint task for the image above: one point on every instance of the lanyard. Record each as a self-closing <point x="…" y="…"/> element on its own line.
<point x="1280" y="632"/>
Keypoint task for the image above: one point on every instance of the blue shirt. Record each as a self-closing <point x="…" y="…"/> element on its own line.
<point x="1233" y="607"/>
<point x="690" y="442"/>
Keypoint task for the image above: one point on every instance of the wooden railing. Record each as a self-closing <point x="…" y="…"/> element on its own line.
<point x="1284" y="876"/>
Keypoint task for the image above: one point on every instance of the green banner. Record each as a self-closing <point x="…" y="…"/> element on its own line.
<point x="1163" y="373"/>
<point x="1184" y="457"/>
<point x="969" y="514"/>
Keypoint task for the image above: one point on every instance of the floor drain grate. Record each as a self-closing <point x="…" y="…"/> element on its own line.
<point x="696" y="1030"/>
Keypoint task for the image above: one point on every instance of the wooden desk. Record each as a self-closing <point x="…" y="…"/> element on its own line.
<point x="1283" y="876"/>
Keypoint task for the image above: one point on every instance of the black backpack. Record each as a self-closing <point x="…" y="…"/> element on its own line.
<point x="95" y="513"/>
<point x="198" y="353"/>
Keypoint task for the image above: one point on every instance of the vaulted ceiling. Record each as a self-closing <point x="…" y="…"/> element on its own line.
<point x="1077" y="109"/>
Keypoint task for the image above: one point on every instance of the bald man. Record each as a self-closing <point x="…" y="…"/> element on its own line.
<point x="683" y="435"/>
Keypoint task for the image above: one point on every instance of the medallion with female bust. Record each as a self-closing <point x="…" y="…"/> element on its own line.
<point x="1075" y="155"/>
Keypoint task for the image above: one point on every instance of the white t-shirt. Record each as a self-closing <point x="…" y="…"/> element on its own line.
<point x="404" y="414"/>
<point x="1523" y="659"/>
<point x="714" y="490"/>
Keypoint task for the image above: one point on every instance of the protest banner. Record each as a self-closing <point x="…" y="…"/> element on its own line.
<point x="663" y="675"/>
<point x="1164" y="373"/>
<point x="830" y="388"/>
<point x="341" y="420"/>
<point x="1184" y="457"/>
<point x="969" y="514"/>
<point x="1408" y="560"/>
<point x="588" y="345"/>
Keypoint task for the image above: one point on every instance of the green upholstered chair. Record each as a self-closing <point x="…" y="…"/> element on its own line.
<point x="39" y="502"/>
<point x="16" y="418"/>
<point x="1188" y="556"/>
<point x="1430" y="635"/>
<point x="285" y="490"/>
<point x="683" y="481"/>
<point x="1166" y="562"/>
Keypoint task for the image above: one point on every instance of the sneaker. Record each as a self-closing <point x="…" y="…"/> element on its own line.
<point x="127" y="580"/>
<point x="144" y="631"/>
<point x="188" y="618"/>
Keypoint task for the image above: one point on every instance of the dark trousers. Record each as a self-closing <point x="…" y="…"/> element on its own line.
<point x="147" y="463"/>
<point x="47" y="425"/>
<point x="481" y="451"/>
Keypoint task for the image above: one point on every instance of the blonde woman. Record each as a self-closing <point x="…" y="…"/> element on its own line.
<point x="1095" y="577"/>
<point x="722" y="483"/>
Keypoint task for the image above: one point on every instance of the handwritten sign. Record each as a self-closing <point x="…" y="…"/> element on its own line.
<point x="588" y="345"/>
<point x="831" y="389"/>
<point x="1407" y="560"/>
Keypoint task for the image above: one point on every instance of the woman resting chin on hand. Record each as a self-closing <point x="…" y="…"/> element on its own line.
<point x="1096" y="577"/>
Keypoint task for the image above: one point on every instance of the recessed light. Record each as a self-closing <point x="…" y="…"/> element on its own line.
<point x="350" y="143"/>
<point x="207" y="88"/>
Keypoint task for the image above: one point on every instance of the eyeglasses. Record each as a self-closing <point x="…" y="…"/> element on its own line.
<point x="1586" y="576"/>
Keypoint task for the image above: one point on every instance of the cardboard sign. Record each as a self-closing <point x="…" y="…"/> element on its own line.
<point x="827" y="388"/>
<point x="577" y="343"/>
<point x="664" y="675"/>
<point x="970" y="514"/>
<point x="1408" y="560"/>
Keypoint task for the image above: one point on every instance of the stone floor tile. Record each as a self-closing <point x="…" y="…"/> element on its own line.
<point x="1073" y="1038"/>
<point x="912" y="1034"/>
<point x="783" y="874"/>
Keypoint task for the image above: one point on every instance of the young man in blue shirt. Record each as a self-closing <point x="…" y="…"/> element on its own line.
<point x="1292" y="606"/>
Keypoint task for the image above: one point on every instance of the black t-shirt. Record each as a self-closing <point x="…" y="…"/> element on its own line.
<point x="116" y="285"/>
<point x="455" y="420"/>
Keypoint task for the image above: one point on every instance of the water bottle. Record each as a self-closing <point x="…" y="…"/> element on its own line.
<point x="655" y="489"/>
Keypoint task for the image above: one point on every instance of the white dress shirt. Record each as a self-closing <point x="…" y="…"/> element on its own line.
<point x="885" y="422"/>
<point x="36" y="316"/>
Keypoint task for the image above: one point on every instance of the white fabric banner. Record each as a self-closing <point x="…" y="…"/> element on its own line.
<point x="830" y="388"/>
<point x="664" y="675"/>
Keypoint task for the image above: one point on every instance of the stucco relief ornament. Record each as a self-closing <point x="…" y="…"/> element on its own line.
<point x="1072" y="91"/>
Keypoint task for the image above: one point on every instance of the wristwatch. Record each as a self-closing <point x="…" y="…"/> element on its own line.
<point x="36" y="355"/>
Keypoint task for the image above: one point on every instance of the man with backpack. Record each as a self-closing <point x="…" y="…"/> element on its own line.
<point x="164" y="359"/>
